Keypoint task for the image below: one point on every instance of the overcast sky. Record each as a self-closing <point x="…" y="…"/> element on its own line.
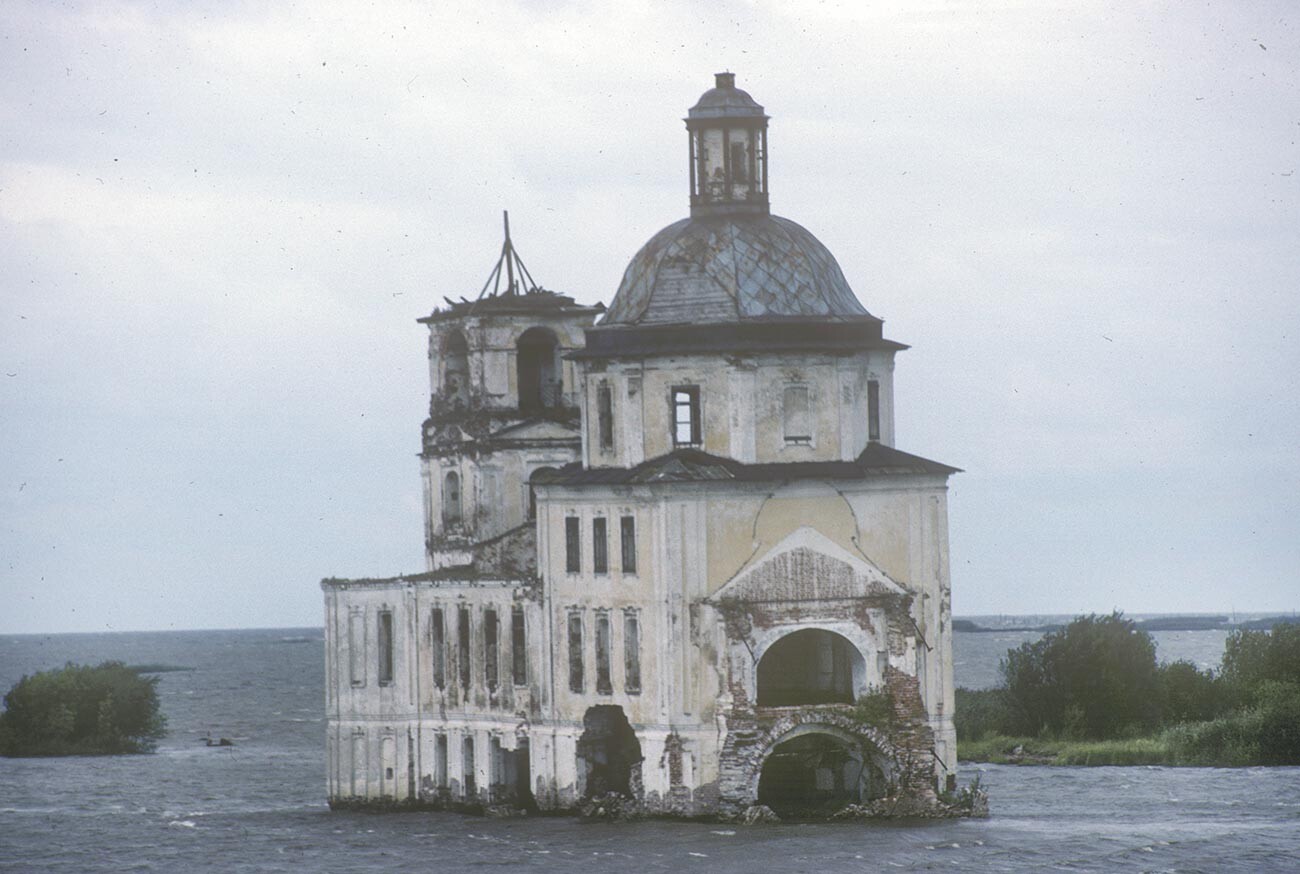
<point x="219" y="223"/>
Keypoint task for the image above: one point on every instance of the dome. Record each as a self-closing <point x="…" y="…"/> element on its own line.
<point x="732" y="269"/>
<point x="725" y="100"/>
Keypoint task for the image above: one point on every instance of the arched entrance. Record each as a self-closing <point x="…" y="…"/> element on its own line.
<point x="537" y="364"/>
<point x="817" y="770"/>
<point x="608" y="753"/>
<point x="810" y="666"/>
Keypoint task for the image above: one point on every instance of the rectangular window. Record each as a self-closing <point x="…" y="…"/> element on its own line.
<point x="686" y="415"/>
<point x="599" y="545"/>
<point x="627" y="541"/>
<point x="385" y="647"/>
<point x="467" y="767"/>
<point x="438" y="648"/>
<point x="603" y="686"/>
<point x="798" y="420"/>
<point x="440" y="761"/>
<point x="357" y="648"/>
<point x="575" y="652"/>
<point x="572" y="544"/>
<point x="462" y="646"/>
<point x="605" y="416"/>
<point x="631" y="652"/>
<point x="519" y="646"/>
<point x="873" y="410"/>
<point x="490" y="648"/>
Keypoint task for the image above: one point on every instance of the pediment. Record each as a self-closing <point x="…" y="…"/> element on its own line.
<point x="807" y="566"/>
<point x="537" y="429"/>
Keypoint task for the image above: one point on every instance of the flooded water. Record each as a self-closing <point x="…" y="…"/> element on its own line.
<point x="259" y="806"/>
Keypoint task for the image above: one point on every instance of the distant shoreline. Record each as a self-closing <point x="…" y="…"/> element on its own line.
<point x="1159" y="623"/>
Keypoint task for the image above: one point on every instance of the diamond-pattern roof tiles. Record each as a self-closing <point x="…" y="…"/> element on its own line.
<point x="743" y="267"/>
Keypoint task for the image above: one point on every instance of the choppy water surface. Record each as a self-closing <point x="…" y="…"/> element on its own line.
<point x="259" y="806"/>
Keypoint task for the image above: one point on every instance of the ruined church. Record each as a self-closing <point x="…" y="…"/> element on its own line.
<point x="673" y="556"/>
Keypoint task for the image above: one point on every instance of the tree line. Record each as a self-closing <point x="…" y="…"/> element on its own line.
<point x="1097" y="679"/>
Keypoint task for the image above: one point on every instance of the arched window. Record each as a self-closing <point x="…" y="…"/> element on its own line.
<point x="451" y="500"/>
<point x="455" y="383"/>
<point x="537" y="362"/>
<point x="811" y="666"/>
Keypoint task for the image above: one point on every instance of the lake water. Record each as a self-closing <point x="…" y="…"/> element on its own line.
<point x="259" y="806"/>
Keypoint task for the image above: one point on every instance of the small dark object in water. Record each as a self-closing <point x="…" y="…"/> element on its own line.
<point x="219" y="742"/>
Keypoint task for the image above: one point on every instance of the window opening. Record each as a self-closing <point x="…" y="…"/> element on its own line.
<point x="599" y="545"/>
<point x="538" y="370"/>
<point x="451" y="500"/>
<point x="686" y="415"/>
<point x="631" y="652"/>
<point x="385" y="647"/>
<point x="572" y="544"/>
<point x="627" y="543"/>
<point x="440" y="761"/>
<point x="490" y="648"/>
<point x="456" y="358"/>
<point x="605" y="416"/>
<point x="873" y="410"/>
<point x="437" y="648"/>
<point x="467" y="767"/>
<point x="462" y="648"/>
<point x="603" y="685"/>
<point x="575" y="652"/>
<point x="519" y="647"/>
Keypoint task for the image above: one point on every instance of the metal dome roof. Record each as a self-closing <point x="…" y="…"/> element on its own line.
<point x="732" y="269"/>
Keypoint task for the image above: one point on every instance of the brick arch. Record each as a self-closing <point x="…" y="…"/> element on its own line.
<point x="871" y="741"/>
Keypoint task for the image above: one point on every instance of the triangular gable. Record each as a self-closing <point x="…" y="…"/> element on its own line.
<point x="536" y="429"/>
<point x="807" y="566"/>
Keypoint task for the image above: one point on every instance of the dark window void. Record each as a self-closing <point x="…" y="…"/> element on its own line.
<point x="467" y="767"/>
<point x="456" y="369"/>
<point x="451" y="500"/>
<point x="797" y="417"/>
<point x="462" y="646"/>
<point x="814" y="775"/>
<point x="739" y="163"/>
<point x="686" y="415"/>
<point x="599" y="545"/>
<point x="438" y="647"/>
<point x="631" y="652"/>
<point x="873" y="410"/>
<point x="519" y="647"/>
<point x="808" y="667"/>
<point x="605" y="416"/>
<point x="491" y="648"/>
<point x="572" y="544"/>
<point x="385" y="647"/>
<point x="608" y="752"/>
<point x="575" y="652"/>
<point x="603" y="684"/>
<point x="627" y="542"/>
<point x="538" y="370"/>
<point x="440" y="761"/>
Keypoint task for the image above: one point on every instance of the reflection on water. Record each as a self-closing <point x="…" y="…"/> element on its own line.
<point x="259" y="806"/>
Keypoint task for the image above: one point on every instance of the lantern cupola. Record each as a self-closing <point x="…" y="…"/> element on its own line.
<point x="728" y="149"/>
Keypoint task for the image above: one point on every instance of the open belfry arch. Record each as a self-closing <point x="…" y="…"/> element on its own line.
<point x="673" y="555"/>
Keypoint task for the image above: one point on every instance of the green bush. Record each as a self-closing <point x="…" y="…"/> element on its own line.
<point x="81" y="710"/>
<point x="1188" y="694"/>
<point x="1254" y="657"/>
<point x="1095" y="678"/>
<point x="980" y="713"/>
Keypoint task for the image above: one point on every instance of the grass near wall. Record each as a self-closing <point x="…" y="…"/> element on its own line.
<point x="1003" y="750"/>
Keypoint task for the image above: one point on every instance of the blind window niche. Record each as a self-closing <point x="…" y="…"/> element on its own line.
<point x="603" y="684"/>
<point x="357" y="648"/>
<point x="631" y="652"/>
<point x="519" y="647"/>
<point x="462" y="647"/>
<point x="575" y="652"/>
<point x="491" y="648"/>
<point x="438" y="648"/>
<point x="797" y="416"/>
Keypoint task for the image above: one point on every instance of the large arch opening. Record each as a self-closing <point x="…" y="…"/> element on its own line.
<point x="537" y="363"/>
<point x="816" y="773"/>
<point x="608" y="753"/>
<point x="456" y="368"/>
<point x="810" y="666"/>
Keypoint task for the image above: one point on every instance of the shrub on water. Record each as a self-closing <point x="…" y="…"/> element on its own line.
<point x="81" y="710"/>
